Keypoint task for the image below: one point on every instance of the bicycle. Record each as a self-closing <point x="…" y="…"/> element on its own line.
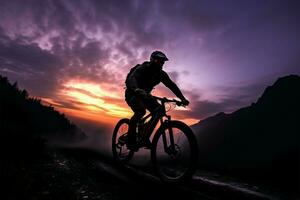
<point x="174" y="150"/>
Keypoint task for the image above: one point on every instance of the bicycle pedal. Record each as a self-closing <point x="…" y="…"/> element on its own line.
<point x="133" y="148"/>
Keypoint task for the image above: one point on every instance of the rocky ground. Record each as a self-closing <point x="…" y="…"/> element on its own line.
<point x="83" y="174"/>
<point x="72" y="175"/>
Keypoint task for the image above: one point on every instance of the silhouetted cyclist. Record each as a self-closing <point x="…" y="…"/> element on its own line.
<point x="139" y="83"/>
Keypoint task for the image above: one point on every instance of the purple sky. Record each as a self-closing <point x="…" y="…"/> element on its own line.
<point x="222" y="53"/>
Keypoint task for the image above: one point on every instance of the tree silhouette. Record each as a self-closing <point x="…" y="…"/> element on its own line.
<point x="24" y="120"/>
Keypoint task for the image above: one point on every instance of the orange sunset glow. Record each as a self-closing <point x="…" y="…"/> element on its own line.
<point x="93" y="101"/>
<point x="98" y="102"/>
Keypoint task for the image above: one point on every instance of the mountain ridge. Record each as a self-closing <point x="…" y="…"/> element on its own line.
<point x="26" y="124"/>
<point x="260" y="140"/>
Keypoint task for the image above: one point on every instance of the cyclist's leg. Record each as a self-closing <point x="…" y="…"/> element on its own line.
<point x="153" y="106"/>
<point x="138" y="114"/>
<point x="138" y="107"/>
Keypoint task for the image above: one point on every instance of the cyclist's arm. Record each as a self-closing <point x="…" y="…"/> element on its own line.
<point x="165" y="79"/>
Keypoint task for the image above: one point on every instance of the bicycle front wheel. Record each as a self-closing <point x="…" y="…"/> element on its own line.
<point x="174" y="152"/>
<point x="119" y="148"/>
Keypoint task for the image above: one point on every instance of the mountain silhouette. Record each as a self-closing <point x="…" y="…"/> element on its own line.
<point x="260" y="141"/>
<point x="25" y="127"/>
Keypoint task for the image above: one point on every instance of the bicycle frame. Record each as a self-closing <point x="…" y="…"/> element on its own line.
<point x="158" y="116"/>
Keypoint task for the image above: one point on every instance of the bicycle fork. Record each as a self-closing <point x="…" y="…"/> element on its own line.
<point x="171" y="148"/>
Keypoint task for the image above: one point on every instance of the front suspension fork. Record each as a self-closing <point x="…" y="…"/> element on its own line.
<point x="168" y="149"/>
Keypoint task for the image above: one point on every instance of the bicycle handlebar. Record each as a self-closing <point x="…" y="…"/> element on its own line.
<point x="166" y="100"/>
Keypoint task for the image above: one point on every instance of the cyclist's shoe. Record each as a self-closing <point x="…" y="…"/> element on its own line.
<point x="147" y="144"/>
<point x="133" y="147"/>
<point x="123" y="139"/>
<point x="132" y="143"/>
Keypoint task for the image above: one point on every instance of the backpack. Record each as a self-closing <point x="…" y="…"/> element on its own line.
<point x="131" y="72"/>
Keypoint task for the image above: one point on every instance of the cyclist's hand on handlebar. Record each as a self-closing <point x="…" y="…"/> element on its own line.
<point x="185" y="102"/>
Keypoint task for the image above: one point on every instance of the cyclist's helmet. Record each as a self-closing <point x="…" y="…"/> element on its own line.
<point x="158" y="55"/>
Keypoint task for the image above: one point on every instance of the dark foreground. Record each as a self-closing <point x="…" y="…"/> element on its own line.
<point x="83" y="174"/>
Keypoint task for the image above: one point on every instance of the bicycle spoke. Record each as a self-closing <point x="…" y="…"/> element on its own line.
<point x="175" y="161"/>
<point x="178" y="138"/>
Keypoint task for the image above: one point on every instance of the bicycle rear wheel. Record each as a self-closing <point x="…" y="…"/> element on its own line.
<point x="174" y="152"/>
<point x="119" y="148"/>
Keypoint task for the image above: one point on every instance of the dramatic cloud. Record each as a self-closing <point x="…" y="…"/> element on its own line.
<point x="76" y="54"/>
